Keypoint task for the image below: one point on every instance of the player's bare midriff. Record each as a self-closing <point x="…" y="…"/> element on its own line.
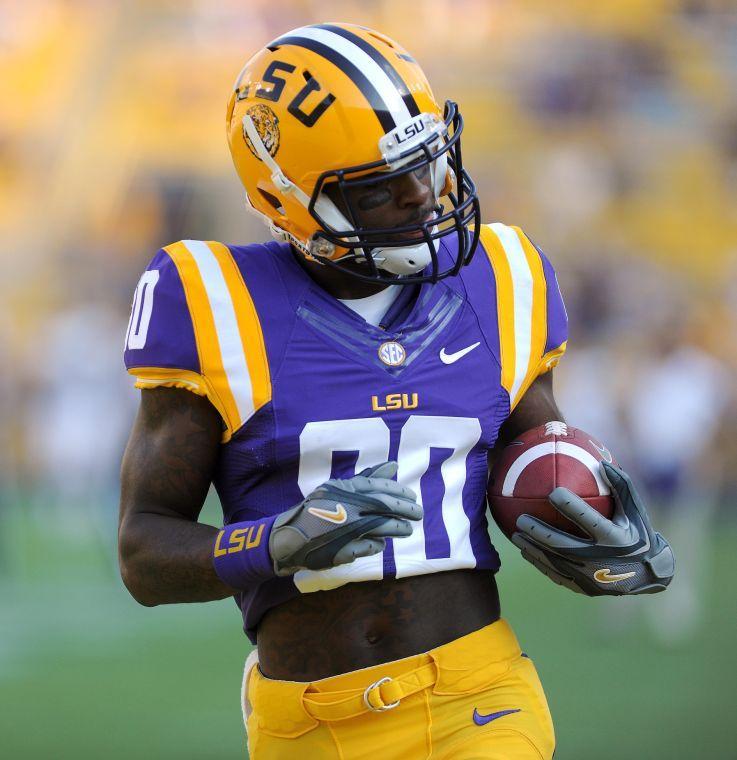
<point x="358" y="625"/>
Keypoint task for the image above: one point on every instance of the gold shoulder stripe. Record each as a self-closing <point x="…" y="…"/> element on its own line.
<point x="249" y="326"/>
<point x="227" y="330"/>
<point x="539" y="331"/>
<point x="206" y="336"/>
<point x="521" y="305"/>
<point x="504" y="302"/>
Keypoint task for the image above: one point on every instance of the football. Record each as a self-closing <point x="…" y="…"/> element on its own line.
<point x="538" y="461"/>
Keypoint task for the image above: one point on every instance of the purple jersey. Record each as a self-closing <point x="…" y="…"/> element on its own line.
<point x="310" y="391"/>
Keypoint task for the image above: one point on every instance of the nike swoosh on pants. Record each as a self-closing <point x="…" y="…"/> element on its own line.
<point x="482" y="720"/>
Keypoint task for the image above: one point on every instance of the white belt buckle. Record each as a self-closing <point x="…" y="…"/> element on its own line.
<point x="375" y="685"/>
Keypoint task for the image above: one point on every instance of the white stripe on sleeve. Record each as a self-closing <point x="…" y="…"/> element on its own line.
<point x="226" y="326"/>
<point x="522" y="290"/>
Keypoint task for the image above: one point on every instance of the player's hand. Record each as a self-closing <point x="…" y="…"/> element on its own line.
<point x="623" y="556"/>
<point x="342" y="520"/>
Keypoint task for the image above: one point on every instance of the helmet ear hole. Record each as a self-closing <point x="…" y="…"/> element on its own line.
<point x="272" y="200"/>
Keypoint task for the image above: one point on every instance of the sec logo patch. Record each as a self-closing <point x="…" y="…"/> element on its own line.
<point x="392" y="353"/>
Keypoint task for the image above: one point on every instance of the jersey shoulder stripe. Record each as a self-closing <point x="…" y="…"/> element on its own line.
<point x="522" y="290"/>
<point x="228" y="333"/>
<point x="233" y="366"/>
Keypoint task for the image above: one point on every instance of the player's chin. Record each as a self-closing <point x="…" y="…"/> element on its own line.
<point x="410" y="238"/>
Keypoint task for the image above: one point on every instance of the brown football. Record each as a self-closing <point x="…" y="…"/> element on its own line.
<point x="538" y="461"/>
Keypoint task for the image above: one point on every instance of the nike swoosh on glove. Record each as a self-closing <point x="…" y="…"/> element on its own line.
<point x="342" y="520"/>
<point x="623" y="555"/>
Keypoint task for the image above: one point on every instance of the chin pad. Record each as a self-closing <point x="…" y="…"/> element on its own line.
<point x="409" y="259"/>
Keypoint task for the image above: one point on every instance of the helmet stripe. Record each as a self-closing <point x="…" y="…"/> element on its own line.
<point x="379" y="79"/>
<point x="369" y="91"/>
<point x="389" y="70"/>
<point x="376" y="86"/>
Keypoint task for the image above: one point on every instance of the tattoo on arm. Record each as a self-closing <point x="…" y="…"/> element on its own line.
<point x="165" y="554"/>
<point x="175" y="443"/>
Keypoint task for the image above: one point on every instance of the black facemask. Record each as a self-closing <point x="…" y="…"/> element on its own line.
<point x="462" y="219"/>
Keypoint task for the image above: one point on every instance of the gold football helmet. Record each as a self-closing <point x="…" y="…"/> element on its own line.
<point x="338" y="104"/>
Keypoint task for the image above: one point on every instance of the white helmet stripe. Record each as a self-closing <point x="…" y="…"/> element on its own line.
<point x="384" y="63"/>
<point x="380" y="80"/>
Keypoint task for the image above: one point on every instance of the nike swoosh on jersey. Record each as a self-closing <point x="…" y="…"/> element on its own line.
<point x="454" y="357"/>
<point x="482" y="720"/>
<point x="603" y="576"/>
<point x="339" y="515"/>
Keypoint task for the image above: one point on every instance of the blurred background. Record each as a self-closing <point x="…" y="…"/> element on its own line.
<point x="607" y="130"/>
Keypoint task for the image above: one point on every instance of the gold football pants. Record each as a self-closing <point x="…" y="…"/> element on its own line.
<point x="476" y="697"/>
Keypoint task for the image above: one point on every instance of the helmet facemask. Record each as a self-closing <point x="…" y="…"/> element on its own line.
<point x="388" y="253"/>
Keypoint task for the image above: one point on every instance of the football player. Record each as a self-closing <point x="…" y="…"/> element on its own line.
<point x="342" y="387"/>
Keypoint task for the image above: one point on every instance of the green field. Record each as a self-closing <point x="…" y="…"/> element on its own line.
<point x="86" y="673"/>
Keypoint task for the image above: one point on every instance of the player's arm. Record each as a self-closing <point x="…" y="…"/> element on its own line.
<point x="638" y="560"/>
<point x="165" y="554"/>
<point x="535" y="408"/>
<point x="634" y="558"/>
<point x="627" y="547"/>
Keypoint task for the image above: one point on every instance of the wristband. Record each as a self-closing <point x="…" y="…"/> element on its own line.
<point x="241" y="555"/>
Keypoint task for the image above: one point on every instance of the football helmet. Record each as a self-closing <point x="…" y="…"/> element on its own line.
<point x="327" y="108"/>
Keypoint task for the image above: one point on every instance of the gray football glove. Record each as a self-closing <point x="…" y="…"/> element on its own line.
<point x="623" y="556"/>
<point x="342" y="520"/>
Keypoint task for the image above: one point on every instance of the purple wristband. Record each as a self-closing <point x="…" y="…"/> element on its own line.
<point x="241" y="555"/>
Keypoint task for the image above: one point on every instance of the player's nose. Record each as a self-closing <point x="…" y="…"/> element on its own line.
<point x="411" y="191"/>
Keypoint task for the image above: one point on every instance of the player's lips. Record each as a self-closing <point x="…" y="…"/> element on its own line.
<point x="415" y="234"/>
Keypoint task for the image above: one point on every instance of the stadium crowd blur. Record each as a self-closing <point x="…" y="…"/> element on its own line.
<point x="608" y="131"/>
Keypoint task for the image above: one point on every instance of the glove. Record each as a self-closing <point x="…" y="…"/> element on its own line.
<point x="623" y="556"/>
<point x="342" y="520"/>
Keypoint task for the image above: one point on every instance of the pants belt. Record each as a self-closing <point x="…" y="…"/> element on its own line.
<point x="381" y="695"/>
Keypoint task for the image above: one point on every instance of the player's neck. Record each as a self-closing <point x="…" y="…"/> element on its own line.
<point x="338" y="284"/>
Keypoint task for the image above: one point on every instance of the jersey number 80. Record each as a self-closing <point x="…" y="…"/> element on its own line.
<point x="442" y="541"/>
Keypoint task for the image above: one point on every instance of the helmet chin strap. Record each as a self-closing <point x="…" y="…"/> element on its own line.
<point x="409" y="259"/>
<point x="406" y="259"/>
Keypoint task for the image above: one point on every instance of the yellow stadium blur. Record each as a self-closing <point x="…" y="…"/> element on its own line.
<point x="606" y="130"/>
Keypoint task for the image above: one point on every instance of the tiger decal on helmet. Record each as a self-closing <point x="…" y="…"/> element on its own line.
<point x="267" y="126"/>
